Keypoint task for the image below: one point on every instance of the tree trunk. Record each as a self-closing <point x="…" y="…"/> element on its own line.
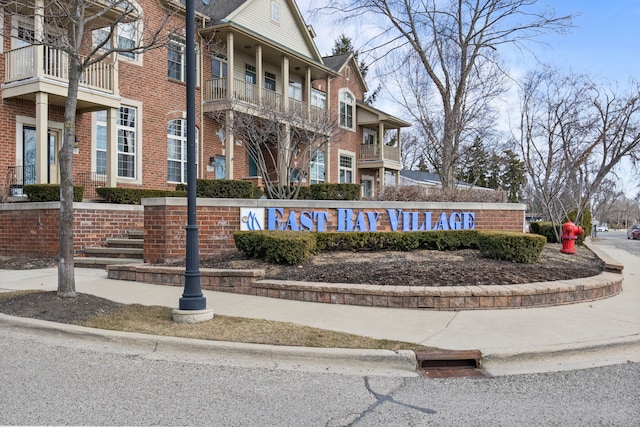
<point x="66" y="276"/>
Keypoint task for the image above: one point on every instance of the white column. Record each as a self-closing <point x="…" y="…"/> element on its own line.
<point x="285" y="82"/>
<point x="112" y="147"/>
<point x="259" y="71"/>
<point x="42" y="139"/>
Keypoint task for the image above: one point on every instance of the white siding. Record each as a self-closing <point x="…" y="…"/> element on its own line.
<point x="286" y="32"/>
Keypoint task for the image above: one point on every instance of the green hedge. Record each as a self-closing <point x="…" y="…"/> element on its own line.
<point x="133" y="196"/>
<point x="546" y="229"/>
<point x="329" y="192"/>
<point x="514" y="247"/>
<point x="279" y="247"/>
<point x="294" y="248"/>
<point x="224" y="189"/>
<point x="49" y="192"/>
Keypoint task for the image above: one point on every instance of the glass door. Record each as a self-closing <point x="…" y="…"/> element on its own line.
<point x="28" y="155"/>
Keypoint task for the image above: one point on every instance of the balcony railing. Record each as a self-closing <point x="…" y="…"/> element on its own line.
<point x="371" y="153"/>
<point x="22" y="63"/>
<point x="216" y="90"/>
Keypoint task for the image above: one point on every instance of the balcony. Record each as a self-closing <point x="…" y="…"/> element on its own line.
<point x="249" y="96"/>
<point x="38" y="68"/>
<point x="370" y="157"/>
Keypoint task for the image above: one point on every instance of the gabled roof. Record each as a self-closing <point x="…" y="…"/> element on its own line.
<point x="389" y="121"/>
<point x="217" y="10"/>
<point x="338" y="62"/>
<point x="224" y="12"/>
<point x="434" y="179"/>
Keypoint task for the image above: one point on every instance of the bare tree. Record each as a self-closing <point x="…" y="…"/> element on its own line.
<point x="66" y="30"/>
<point x="448" y="56"/>
<point x="283" y="144"/>
<point x="573" y="134"/>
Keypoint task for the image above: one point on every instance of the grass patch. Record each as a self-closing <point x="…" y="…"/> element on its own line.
<point x="157" y="320"/>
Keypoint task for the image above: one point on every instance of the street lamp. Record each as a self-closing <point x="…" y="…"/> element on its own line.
<point x="193" y="304"/>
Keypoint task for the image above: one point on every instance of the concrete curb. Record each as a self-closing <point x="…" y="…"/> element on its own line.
<point x="568" y="357"/>
<point x="337" y="360"/>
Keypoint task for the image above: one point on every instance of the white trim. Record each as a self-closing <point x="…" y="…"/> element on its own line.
<point x="352" y="155"/>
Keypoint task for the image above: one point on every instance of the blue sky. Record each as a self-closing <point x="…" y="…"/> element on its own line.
<point x="605" y="42"/>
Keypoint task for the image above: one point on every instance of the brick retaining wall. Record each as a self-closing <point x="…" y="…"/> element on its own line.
<point x="31" y="229"/>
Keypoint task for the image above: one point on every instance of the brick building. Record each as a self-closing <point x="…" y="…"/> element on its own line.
<point x="131" y="114"/>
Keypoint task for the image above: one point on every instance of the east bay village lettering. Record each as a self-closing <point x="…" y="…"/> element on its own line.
<point x="348" y="220"/>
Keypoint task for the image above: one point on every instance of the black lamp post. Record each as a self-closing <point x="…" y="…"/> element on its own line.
<point x="192" y="297"/>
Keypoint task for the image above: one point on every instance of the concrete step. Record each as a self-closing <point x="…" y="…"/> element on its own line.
<point x="97" y="262"/>
<point x="125" y="243"/>
<point x="135" y="234"/>
<point x="114" y="252"/>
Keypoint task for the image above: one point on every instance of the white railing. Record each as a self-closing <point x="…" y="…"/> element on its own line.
<point x="216" y="90"/>
<point x="371" y="152"/>
<point x="21" y="64"/>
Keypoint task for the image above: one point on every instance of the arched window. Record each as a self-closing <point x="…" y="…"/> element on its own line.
<point x="347" y="109"/>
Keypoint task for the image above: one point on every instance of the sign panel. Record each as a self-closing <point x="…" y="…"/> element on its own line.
<point x="349" y="220"/>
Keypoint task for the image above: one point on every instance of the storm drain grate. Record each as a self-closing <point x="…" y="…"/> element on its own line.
<point x="450" y="363"/>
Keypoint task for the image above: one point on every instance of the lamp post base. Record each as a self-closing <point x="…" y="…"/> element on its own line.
<point x="192" y="316"/>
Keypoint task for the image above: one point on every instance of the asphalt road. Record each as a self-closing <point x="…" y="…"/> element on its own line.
<point x="82" y="382"/>
<point x="619" y="240"/>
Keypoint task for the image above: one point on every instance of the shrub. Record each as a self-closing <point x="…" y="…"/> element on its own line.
<point x="133" y="196"/>
<point x="280" y="247"/>
<point x="223" y="189"/>
<point x="514" y="247"/>
<point x="329" y="192"/>
<point x="546" y="229"/>
<point x="49" y="192"/>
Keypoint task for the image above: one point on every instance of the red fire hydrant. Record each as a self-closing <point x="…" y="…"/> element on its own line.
<point x="570" y="233"/>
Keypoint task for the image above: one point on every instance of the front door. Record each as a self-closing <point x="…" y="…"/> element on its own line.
<point x="29" y="150"/>
<point x="28" y="155"/>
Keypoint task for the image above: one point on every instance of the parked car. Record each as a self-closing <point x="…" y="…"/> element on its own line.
<point x="602" y="227"/>
<point x="634" y="232"/>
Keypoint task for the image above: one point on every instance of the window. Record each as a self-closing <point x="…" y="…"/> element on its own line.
<point x="127" y="39"/>
<point x="318" y="99"/>
<point x="250" y="80"/>
<point x="269" y="81"/>
<point x="275" y="11"/>
<point x="219" y="67"/>
<point x="250" y="74"/>
<point x="221" y="167"/>
<point x="176" y="59"/>
<point x="346" y="169"/>
<point x="177" y="151"/>
<point x="126" y="125"/>
<point x="295" y="90"/>
<point x="101" y="142"/>
<point x="369" y="137"/>
<point x="317" y="168"/>
<point x="253" y="167"/>
<point x="347" y="102"/>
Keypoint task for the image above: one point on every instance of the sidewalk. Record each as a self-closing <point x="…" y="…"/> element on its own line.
<point x="512" y="341"/>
